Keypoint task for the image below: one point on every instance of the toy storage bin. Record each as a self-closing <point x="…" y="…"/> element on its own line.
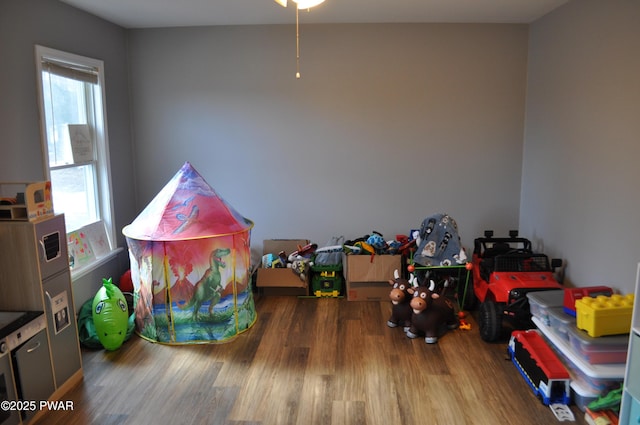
<point x="560" y="322"/>
<point x="582" y="396"/>
<point x="541" y="301"/>
<point x="604" y="315"/>
<point x="604" y="349"/>
<point x="592" y="380"/>
<point x="571" y="295"/>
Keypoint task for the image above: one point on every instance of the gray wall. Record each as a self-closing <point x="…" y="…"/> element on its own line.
<point x="580" y="171"/>
<point x="388" y="124"/>
<point x="24" y="23"/>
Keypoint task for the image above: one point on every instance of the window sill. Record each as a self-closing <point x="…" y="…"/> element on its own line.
<point x="88" y="268"/>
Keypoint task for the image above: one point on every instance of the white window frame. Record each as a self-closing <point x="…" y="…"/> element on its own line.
<point x="101" y="139"/>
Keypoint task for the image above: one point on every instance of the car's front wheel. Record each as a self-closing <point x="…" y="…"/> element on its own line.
<point x="490" y="321"/>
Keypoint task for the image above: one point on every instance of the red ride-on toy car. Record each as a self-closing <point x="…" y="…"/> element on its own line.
<point x="504" y="271"/>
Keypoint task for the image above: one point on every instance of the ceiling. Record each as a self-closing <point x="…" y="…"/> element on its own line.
<point x="172" y="13"/>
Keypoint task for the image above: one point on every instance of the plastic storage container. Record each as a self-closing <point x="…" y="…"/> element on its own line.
<point x="594" y="378"/>
<point x="571" y="295"/>
<point x="582" y="396"/>
<point x="541" y="301"/>
<point x="593" y="383"/>
<point x="604" y="349"/>
<point x="560" y="322"/>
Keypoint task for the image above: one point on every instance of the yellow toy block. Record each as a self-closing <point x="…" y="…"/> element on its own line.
<point x="604" y="315"/>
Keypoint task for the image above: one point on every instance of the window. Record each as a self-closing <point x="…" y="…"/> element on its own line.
<point x="75" y="143"/>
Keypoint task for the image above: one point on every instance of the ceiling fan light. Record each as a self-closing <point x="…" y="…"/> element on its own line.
<point x="307" y="4"/>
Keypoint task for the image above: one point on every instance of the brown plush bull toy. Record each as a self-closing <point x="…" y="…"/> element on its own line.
<point x="400" y="302"/>
<point x="431" y="314"/>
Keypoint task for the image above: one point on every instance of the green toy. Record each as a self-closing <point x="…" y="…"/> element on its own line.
<point x="110" y="315"/>
<point x="610" y="401"/>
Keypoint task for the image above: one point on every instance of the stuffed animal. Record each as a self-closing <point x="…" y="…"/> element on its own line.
<point x="377" y="242"/>
<point x="431" y="313"/>
<point x="400" y="302"/>
<point x="301" y="266"/>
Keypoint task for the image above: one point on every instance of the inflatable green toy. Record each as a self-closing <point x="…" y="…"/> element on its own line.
<point x="110" y="315"/>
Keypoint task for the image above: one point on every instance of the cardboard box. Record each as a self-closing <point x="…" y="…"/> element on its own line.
<point x="367" y="277"/>
<point x="281" y="281"/>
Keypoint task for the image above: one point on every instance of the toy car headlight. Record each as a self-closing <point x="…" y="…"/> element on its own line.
<point x="516" y="294"/>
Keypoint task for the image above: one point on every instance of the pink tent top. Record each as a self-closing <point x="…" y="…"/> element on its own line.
<point x="186" y="208"/>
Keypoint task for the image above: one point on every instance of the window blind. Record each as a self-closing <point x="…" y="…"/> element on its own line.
<point x="75" y="72"/>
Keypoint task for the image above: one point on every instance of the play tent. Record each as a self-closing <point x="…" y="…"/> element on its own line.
<point x="190" y="261"/>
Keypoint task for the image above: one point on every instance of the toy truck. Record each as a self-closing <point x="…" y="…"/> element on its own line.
<point x="504" y="270"/>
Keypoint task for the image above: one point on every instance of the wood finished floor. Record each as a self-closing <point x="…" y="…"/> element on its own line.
<point x="307" y="362"/>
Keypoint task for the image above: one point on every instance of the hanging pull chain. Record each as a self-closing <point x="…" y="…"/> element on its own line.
<point x="297" y="46"/>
